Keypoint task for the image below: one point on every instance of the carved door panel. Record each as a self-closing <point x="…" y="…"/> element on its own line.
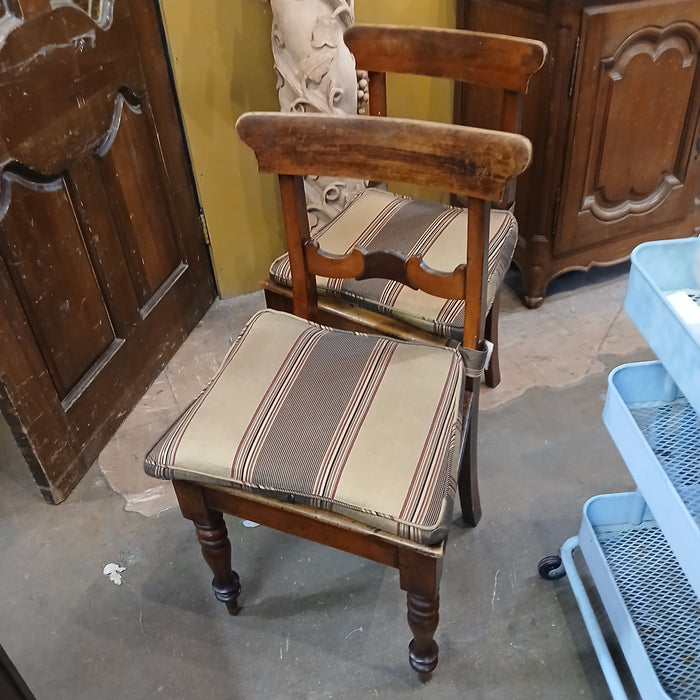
<point x="633" y="159"/>
<point x="103" y="265"/>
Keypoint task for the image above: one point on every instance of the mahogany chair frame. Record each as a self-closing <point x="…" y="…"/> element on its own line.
<point x="422" y="153"/>
<point x="503" y="63"/>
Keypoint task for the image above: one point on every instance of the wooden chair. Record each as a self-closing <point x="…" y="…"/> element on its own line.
<point x="502" y="63"/>
<point x="346" y="439"/>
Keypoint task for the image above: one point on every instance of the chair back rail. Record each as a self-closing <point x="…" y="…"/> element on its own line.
<point x="458" y="54"/>
<point x="465" y="160"/>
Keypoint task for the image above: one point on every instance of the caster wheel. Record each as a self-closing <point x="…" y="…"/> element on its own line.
<point x="551" y="568"/>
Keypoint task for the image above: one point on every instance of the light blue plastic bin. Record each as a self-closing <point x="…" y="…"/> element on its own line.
<point x="658" y="269"/>
<point x="657" y="433"/>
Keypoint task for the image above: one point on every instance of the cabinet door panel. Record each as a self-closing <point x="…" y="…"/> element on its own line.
<point x="632" y="162"/>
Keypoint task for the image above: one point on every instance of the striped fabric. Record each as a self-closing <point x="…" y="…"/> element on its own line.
<point x="362" y="425"/>
<point x="379" y="220"/>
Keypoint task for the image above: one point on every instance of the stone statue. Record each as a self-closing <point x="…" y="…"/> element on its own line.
<point x="316" y="73"/>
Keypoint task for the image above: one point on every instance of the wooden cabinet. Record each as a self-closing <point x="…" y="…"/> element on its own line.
<point x="614" y="123"/>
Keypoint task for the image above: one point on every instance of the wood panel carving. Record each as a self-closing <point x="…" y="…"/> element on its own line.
<point x="103" y="267"/>
<point x="316" y="73"/>
<point x="634" y="132"/>
<point x="153" y="254"/>
<point x="100" y="11"/>
<point x="615" y="123"/>
<point x="51" y="271"/>
<point x="631" y="81"/>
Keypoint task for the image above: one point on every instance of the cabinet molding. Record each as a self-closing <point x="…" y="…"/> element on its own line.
<point x="614" y="123"/>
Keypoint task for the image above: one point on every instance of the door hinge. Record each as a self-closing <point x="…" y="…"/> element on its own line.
<point x="574" y="67"/>
<point x="205" y="228"/>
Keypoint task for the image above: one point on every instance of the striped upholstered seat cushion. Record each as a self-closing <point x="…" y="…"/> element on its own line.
<point x="380" y="220"/>
<point x="362" y="425"/>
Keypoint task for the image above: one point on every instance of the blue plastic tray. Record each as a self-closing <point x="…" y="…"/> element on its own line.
<point x="651" y="605"/>
<point x="670" y="324"/>
<point x="657" y="432"/>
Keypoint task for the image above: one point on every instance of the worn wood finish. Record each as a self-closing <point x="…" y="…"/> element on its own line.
<point x="296" y="227"/>
<point x="321" y="526"/>
<point x="410" y="271"/>
<point x="475" y="291"/>
<point x="614" y="123"/>
<point x="273" y="136"/>
<point x="103" y="266"/>
<point x="504" y="64"/>
<point x="311" y="143"/>
<point x="474" y="57"/>
<point x="468" y="161"/>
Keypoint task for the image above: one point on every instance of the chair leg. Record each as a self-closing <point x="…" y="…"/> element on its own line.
<point x="468" y="481"/>
<point x="492" y="374"/>
<point x="423" y="617"/>
<point x="419" y="576"/>
<point x="213" y="539"/>
<point x="216" y="549"/>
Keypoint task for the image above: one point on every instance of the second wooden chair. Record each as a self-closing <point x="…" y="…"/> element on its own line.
<point x="378" y="218"/>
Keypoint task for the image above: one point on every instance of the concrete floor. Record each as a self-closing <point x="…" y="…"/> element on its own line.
<point x="317" y="623"/>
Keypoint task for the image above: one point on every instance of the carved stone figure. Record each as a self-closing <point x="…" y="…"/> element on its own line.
<point x="316" y="73"/>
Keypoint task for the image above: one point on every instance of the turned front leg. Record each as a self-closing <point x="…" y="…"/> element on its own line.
<point x="213" y="539"/>
<point x="419" y="574"/>
<point x="216" y="549"/>
<point x="423" y="618"/>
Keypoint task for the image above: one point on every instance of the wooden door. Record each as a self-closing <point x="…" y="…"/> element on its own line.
<point x="103" y="265"/>
<point x="633" y="154"/>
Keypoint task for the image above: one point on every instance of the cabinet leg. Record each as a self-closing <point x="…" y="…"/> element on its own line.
<point x="534" y="285"/>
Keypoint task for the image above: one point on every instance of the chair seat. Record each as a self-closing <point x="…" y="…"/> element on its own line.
<point x="387" y="221"/>
<point x="362" y="425"/>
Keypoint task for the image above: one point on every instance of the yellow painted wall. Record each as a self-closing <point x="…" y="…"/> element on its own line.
<point x="222" y="62"/>
<point x="410" y="96"/>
